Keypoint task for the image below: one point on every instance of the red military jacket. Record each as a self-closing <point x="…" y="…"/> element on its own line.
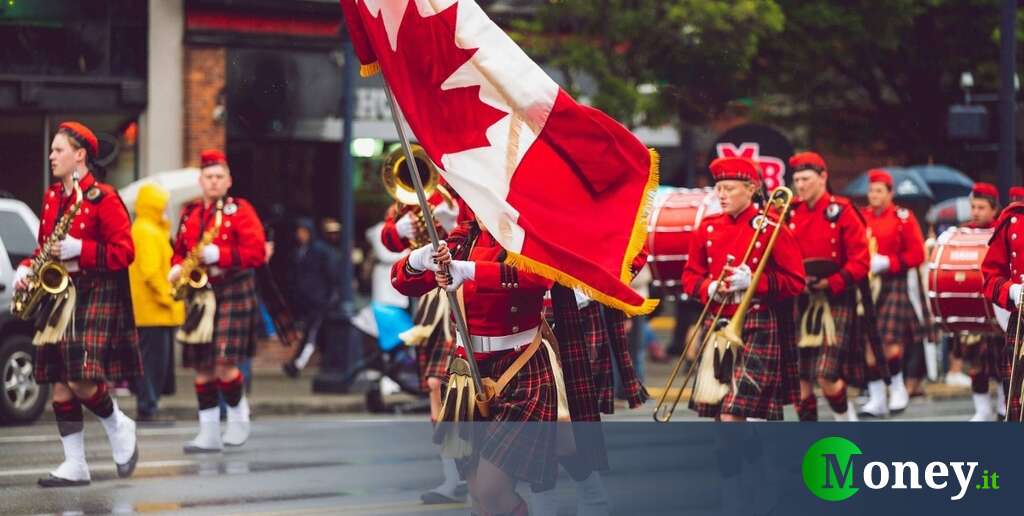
<point x="240" y="238"/>
<point x="832" y="229"/>
<point x="102" y="223"/>
<point x="722" y="235"/>
<point x="396" y="244"/>
<point x="898" y="236"/>
<point x="500" y="301"/>
<point x="1004" y="262"/>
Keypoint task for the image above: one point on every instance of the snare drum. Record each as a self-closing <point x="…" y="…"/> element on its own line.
<point x="955" y="283"/>
<point x="676" y="215"/>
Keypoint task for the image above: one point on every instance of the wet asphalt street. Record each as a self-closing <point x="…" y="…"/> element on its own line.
<point x="351" y="465"/>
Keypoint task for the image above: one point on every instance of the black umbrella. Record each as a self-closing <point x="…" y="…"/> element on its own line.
<point x="907" y="185"/>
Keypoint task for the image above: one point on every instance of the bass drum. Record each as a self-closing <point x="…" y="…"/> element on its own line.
<point x="956" y="285"/>
<point x="676" y="215"/>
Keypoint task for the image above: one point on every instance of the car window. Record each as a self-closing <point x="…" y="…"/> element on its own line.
<point x="17" y="236"/>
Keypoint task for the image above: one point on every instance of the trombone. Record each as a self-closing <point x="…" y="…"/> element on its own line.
<point x="396" y="176"/>
<point x="729" y="336"/>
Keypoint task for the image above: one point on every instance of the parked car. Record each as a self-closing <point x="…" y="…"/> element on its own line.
<point x="22" y="400"/>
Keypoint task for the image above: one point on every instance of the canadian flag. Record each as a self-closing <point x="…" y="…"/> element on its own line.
<point x="565" y="189"/>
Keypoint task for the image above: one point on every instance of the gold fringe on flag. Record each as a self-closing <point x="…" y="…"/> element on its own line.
<point x="369" y="70"/>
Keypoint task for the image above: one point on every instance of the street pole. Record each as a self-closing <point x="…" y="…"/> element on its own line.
<point x="1007" y="97"/>
<point x="343" y="345"/>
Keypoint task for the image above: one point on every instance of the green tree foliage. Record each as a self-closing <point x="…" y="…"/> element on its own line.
<point x="858" y="72"/>
<point x="697" y="52"/>
<point x="884" y="71"/>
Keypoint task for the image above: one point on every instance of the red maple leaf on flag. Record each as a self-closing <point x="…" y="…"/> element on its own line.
<point x="445" y="121"/>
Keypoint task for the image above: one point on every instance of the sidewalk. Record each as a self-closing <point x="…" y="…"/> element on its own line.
<point x="273" y="393"/>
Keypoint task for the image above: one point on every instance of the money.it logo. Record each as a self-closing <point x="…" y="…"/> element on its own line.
<point x="828" y="468"/>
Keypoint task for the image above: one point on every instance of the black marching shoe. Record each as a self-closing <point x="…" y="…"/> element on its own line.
<point x="126" y="470"/>
<point x="52" y="481"/>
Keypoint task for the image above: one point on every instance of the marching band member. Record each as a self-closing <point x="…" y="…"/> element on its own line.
<point x="982" y="352"/>
<point x="836" y="259"/>
<point x="433" y="332"/>
<point x="219" y="330"/>
<point x="585" y="344"/>
<point x="1016" y="194"/>
<point x="1003" y="272"/>
<point x="99" y="343"/>
<point x="758" y="375"/>
<point x="900" y="249"/>
<point x="503" y="314"/>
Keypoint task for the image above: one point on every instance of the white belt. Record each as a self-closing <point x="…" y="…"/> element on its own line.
<point x="482" y="344"/>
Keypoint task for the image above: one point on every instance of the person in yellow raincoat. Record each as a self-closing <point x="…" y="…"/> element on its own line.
<point x="157" y="314"/>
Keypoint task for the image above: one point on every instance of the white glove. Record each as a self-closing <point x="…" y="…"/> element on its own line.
<point x="70" y="248"/>
<point x="460" y="271"/>
<point x="406" y="226"/>
<point x="739" y="280"/>
<point x="713" y="290"/>
<point x="1014" y="292"/>
<point x="211" y="254"/>
<point x="422" y="259"/>
<point x="582" y="300"/>
<point x="21" y="275"/>
<point x="447" y="216"/>
<point x="880" y="263"/>
<point x="174" y="274"/>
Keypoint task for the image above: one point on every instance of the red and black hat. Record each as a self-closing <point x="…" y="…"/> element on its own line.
<point x="211" y="157"/>
<point x="737" y="168"/>
<point x="985" y="191"/>
<point x="880" y="175"/>
<point x="1016" y="193"/>
<point x="807" y="161"/>
<point x="83" y="135"/>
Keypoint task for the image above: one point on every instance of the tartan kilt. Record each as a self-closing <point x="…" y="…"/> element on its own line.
<point x="1004" y="366"/>
<point x="897" y="321"/>
<point x="104" y="345"/>
<point x="757" y="375"/>
<point x="433" y="356"/>
<point x="234" y="327"/>
<point x="520" y="437"/>
<point x="987" y="357"/>
<point x="834" y="361"/>
<point x="790" y="353"/>
<point x="577" y="350"/>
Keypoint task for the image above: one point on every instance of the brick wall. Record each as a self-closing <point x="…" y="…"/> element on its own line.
<point x="204" y="82"/>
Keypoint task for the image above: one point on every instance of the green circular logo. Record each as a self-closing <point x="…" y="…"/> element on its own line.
<point x="828" y="469"/>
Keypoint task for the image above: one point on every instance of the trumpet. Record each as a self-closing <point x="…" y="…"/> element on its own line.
<point x="395" y="174"/>
<point x="716" y="348"/>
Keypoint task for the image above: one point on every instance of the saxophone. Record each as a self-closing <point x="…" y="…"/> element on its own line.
<point x="48" y="277"/>
<point x="193" y="272"/>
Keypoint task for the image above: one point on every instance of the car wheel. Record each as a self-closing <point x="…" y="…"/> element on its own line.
<point x="22" y="400"/>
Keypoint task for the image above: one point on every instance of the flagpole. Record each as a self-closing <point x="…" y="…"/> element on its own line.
<point x="460" y="322"/>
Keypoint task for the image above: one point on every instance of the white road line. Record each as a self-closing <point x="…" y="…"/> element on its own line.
<point x="100" y="467"/>
<point x="15" y="439"/>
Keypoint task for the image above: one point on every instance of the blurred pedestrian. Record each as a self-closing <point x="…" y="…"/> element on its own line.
<point x="157" y="314"/>
<point x="313" y="277"/>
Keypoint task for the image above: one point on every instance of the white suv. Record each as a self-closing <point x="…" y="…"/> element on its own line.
<point x="22" y="400"/>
